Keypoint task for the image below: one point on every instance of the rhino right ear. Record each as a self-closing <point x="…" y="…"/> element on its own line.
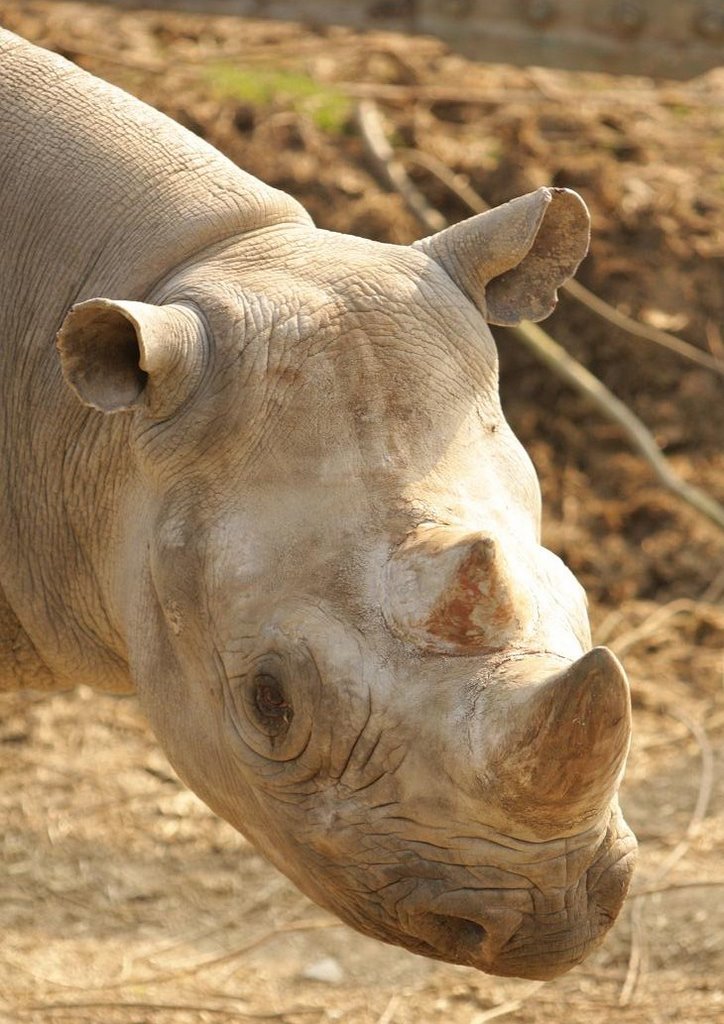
<point x="119" y="355"/>
<point x="510" y="260"/>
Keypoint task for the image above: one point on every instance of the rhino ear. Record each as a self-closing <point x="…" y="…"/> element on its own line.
<point x="119" y="355"/>
<point x="510" y="260"/>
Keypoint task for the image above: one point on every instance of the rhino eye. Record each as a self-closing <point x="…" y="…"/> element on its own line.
<point x="271" y="707"/>
<point x="271" y="701"/>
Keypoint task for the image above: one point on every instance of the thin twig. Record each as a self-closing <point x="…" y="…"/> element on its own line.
<point x="298" y="926"/>
<point x="653" y="890"/>
<point x="510" y="1006"/>
<point x="541" y="344"/>
<point x="638" y="955"/>
<point x="388" y="1014"/>
<point x="702" y="606"/>
<point x="225" y="1011"/>
<point x="453" y="182"/>
<point x="706" y="784"/>
<point x="245" y="910"/>
<point x="641" y="330"/>
<point x="390" y="170"/>
<point x="424" y="93"/>
<point x="659" y="617"/>
<point x="564" y="365"/>
<point x="715" y="590"/>
<point x="610" y="624"/>
<point x="173" y="974"/>
<point x="714" y="339"/>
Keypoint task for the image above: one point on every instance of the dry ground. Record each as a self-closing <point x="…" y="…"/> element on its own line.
<point x="122" y="898"/>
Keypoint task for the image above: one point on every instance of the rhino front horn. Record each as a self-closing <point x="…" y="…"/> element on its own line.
<point x="455" y="591"/>
<point x="565" y="745"/>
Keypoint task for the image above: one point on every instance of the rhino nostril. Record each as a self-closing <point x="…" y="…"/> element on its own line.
<point x="475" y="939"/>
<point x="459" y="932"/>
<point x="467" y="938"/>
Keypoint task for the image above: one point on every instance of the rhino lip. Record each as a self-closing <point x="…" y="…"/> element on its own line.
<point x="466" y="943"/>
<point x="463" y="928"/>
<point x="507" y="949"/>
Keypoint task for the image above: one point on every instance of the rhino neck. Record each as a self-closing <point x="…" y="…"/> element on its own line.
<point x="99" y="195"/>
<point x="104" y="189"/>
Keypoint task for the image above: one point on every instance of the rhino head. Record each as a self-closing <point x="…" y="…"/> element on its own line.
<point x="328" y="574"/>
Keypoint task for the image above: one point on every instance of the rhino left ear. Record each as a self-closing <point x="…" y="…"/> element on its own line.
<point x="118" y="355"/>
<point x="511" y="260"/>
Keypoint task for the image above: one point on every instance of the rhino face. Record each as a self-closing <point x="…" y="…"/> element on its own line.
<point x="339" y="617"/>
<point x="456" y="806"/>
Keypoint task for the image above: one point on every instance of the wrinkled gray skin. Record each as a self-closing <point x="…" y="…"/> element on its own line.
<point x="276" y="496"/>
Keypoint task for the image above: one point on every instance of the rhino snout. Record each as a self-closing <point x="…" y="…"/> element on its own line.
<point x="529" y="931"/>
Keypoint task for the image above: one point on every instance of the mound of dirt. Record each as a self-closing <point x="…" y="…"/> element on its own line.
<point x="123" y="898"/>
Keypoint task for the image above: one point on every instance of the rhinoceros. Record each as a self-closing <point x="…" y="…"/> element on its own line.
<point x="264" y="481"/>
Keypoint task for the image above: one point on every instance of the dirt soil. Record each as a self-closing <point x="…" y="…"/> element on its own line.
<point x="122" y="898"/>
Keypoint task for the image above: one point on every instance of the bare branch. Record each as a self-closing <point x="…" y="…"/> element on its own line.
<point x="392" y="172"/>
<point x="640" y="330"/>
<point x="638" y="953"/>
<point x="454" y="183"/>
<point x="565" y="366"/>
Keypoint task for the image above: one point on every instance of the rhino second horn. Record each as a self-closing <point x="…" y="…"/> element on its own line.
<point x="451" y="591"/>
<point x="565" y="745"/>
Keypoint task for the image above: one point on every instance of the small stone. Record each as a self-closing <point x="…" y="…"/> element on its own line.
<point x="327" y="970"/>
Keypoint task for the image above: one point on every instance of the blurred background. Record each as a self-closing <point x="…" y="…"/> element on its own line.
<point x="122" y="898"/>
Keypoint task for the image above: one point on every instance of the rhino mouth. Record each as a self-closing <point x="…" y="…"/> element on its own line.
<point x="467" y="943"/>
<point x="492" y="932"/>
